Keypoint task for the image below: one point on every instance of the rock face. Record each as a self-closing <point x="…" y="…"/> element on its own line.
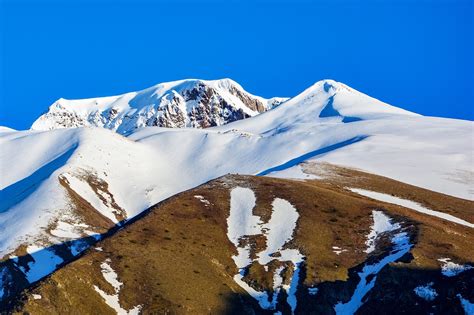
<point x="178" y="104"/>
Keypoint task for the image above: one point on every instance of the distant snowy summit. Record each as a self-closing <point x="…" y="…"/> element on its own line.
<point x="185" y="103"/>
<point x="201" y="104"/>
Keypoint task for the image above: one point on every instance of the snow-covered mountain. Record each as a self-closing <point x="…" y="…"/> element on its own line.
<point x="178" y="104"/>
<point x="61" y="186"/>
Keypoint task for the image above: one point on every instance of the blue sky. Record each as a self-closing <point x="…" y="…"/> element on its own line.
<point x="412" y="54"/>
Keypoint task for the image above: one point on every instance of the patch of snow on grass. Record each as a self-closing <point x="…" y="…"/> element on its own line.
<point x="110" y="275"/>
<point x="451" y="269"/>
<point x="426" y="292"/>
<point x="65" y="230"/>
<point x="466" y="305"/>
<point x="95" y="235"/>
<point x="382" y="223"/>
<point x="241" y="222"/>
<point x="113" y="300"/>
<point x="83" y="189"/>
<point x="260" y="296"/>
<point x="401" y="246"/>
<point x="411" y="205"/>
<point x="337" y="250"/>
<point x="313" y="291"/>
<point x="202" y="199"/>
<point x="292" y="287"/>
<point x="45" y="262"/>
<point x="278" y="231"/>
<point x="78" y="246"/>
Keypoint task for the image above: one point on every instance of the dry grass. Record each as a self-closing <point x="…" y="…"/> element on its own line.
<point x="176" y="259"/>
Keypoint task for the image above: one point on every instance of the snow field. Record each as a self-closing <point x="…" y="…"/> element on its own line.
<point x="278" y="230"/>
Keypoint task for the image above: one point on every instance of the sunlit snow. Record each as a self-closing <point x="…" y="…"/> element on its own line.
<point x="113" y="300"/>
<point x="411" y="205"/>
<point x="278" y="231"/>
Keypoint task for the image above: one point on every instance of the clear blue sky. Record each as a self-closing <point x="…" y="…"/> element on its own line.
<point x="413" y="54"/>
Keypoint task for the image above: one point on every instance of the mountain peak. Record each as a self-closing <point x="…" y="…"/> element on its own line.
<point x="184" y="103"/>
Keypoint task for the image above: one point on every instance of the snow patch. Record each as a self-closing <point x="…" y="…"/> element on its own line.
<point x="65" y="230"/>
<point x="411" y="205"/>
<point x="426" y="292"/>
<point x="382" y="223"/>
<point x="44" y="262"/>
<point x="83" y="189"/>
<point x="451" y="269"/>
<point x="466" y="305"/>
<point x="400" y="246"/>
<point x="241" y="223"/>
<point x="202" y="199"/>
<point x="337" y="250"/>
<point x="278" y="231"/>
<point x="313" y="291"/>
<point x="37" y="296"/>
<point x="113" y="300"/>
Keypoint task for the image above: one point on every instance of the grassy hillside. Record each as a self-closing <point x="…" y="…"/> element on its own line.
<point x="177" y="258"/>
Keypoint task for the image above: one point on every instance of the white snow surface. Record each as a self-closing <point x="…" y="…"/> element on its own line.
<point x="313" y="291"/>
<point x="124" y="113"/>
<point x="241" y="223"/>
<point x="111" y="277"/>
<point x="337" y="250"/>
<point x="411" y="205"/>
<point x="426" y="292"/>
<point x="451" y="269"/>
<point x="382" y="223"/>
<point x="45" y="262"/>
<point x="401" y="246"/>
<point x="467" y="305"/>
<point x="279" y="230"/>
<point x="65" y="230"/>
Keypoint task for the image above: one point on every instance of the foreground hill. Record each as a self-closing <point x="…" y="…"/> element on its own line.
<point x="244" y="245"/>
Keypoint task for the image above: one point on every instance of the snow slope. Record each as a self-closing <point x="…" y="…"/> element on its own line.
<point x="184" y="103"/>
<point x="348" y="128"/>
<point x="327" y="122"/>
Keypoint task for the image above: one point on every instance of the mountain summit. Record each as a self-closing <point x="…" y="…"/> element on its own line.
<point x="185" y="103"/>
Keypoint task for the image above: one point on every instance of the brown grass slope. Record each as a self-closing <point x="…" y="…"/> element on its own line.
<point x="176" y="259"/>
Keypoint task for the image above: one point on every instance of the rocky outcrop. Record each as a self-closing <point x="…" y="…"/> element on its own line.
<point x="186" y="103"/>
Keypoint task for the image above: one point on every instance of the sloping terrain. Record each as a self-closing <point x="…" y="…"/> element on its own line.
<point x="244" y="244"/>
<point x="178" y="104"/>
<point x="62" y="189"/>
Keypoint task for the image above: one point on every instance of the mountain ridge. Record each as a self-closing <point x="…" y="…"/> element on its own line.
<point x="177" y="104"/>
